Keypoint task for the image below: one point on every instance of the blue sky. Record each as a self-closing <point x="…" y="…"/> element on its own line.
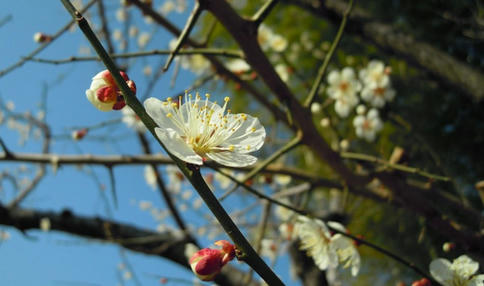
<point x="55" y="258"/>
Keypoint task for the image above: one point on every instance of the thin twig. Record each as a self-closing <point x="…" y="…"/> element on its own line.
<point x="105" y="27"/>
<point x="286" y="148"/>
<point x="264" y="11"/>
<point x="199" y="51"/>
<point x="403" y="168"/>
<point x="197" y="10"/>
<point x="329" y="55"/>
<point x="44" y="45"/>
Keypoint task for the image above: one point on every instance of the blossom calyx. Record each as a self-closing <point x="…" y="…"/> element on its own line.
<point x="104" y="94"/>
<point x="207" y="263"/>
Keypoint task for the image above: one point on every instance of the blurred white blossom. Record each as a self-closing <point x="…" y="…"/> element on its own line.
<point x="367" y="126"/>
<point x="461" y="272"/>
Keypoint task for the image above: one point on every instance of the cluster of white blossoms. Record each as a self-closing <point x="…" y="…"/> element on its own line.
<point x="372" y="85"/>
<point x="461" y="272"/>
<point x="327" y="250"/>
<point x="198" y="129"/>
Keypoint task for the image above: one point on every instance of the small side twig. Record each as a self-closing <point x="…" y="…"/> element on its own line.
<point x="197" y="10"/>
<point x="286" y="148"/>
<point x="264" y="11"/>
<point x="329" y="55"/>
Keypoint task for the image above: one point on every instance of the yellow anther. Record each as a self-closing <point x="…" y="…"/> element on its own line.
<point x="169" y="99"/>
<point x="229" y="110"/>
<point x="244" y="116"/>
<point x="169" y="115"/>
<point x="165" y="103"/>
<point x="226" y="99"/>
<point x="207" y="95"/>
<point x="174" y="105"/>
<point x="252" y="129"/>
<point x="248" y="147"/>
<point x="231" y="148"/>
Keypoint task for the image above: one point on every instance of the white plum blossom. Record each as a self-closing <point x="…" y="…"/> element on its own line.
<point x="461" y="272"/>
<point x="327" y="250"/>
<point x="150" y="177"/>
<point x="132" y="120"/>
<point x="167" y="7"/>
<point x="224" y="181"/>
<point x="199" y="129"/>
<point x="377" y="88"/>
<point x="175" y="178"/>
<point x="343" y="88"/>
<point x="270" y="40"/>
<point x="269" y="248"/>
<point x="143" y="39"/>
<point x="367" y="126"/>
<point x="316" y="240"/>
<point x="345" y="249"/>
<point x="237" y="66"/>
<point x="198" y="64"/>
<point x="283" y="71"/>
<point x="278" y="43"/>
<point x="375" y="74"/>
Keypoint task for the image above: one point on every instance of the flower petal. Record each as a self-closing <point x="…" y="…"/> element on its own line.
<point x="177" y="146"/>
<point x="249" y="137"/>
<point x="440" y="270"/>
<point x="477" y="280"/>
<point x="158" y="110"/>
<point x="232" y="159"/>
<point x="91" y="96"/>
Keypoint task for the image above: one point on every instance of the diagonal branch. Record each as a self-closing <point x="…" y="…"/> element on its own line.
<point x="197" y="10"/>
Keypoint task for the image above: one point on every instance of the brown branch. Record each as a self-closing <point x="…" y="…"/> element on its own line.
<point x="167" y="245"/>
<point x="245" y="33"/>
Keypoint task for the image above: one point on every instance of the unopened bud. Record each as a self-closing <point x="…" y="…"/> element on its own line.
<point x="104" y="94"/>
<point x="79" y="134"/>
<point x="42" y="38"/>
<point x="448" y="246"/>
<point x="207" y="263"/>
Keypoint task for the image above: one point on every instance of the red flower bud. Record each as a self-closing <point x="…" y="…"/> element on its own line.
<point x="79" y="134"/>
<point x="207" y="263"/>
<point x="104" y="94"/>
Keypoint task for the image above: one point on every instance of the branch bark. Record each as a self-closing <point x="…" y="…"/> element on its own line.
<point x="446" y="69"/>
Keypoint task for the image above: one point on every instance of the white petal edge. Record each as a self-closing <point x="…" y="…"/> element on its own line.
<point x="91" y="96"/>
<point x="232" y="159"/>
<point x="157" y="110"/>
<point x="440" y="270"/>
<point x="177" y="146"/>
